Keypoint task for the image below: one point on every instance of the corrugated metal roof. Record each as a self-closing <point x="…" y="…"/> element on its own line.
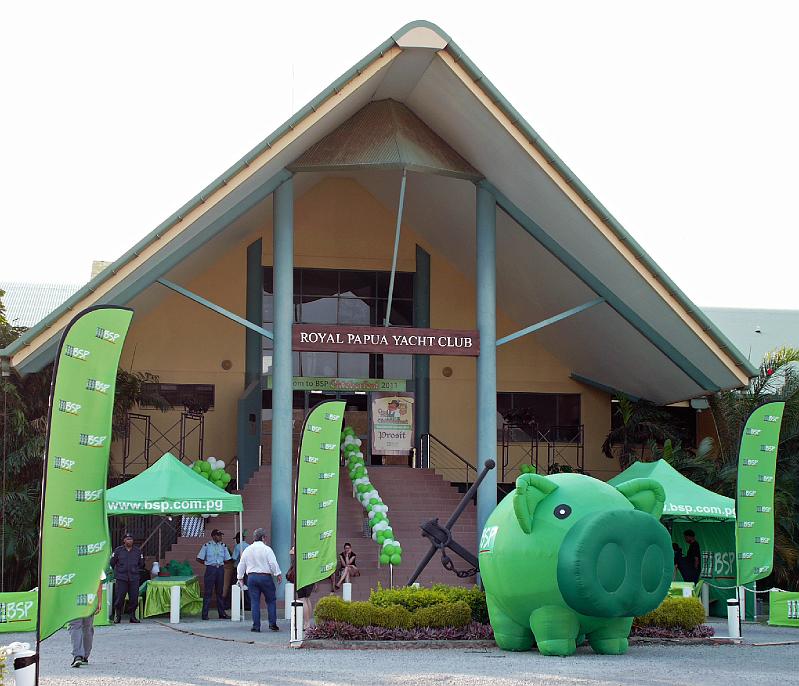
<point x="28" y="303"/>
<point x="757" y="332"/>
<point x="385" y="135"/>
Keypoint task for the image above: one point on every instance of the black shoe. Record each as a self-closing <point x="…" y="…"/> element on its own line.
<point x="274" y="627"/>
<point x="117" y="619"/>
<point x="257" y="630"/>
<point x="77" y="661"/>
<point x="133" y="620"/>
<point x="224" y="617"/>
<point x="85" y="660"/>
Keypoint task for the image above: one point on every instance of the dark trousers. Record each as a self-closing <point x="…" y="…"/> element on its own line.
<point x="214" y="580"/>
<point x="129" y="588"/>
<point x="257" y="585"/>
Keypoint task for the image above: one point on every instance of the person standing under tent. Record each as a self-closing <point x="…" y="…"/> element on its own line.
<point x="213" y="555"/>
<point x="259" y="563"/>
<point x="127" y="561"/>
<point x="693" y="557"/>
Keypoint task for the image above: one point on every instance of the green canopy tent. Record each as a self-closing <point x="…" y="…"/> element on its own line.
<point x="710" y="515"/>
<point x="169" y="487"/>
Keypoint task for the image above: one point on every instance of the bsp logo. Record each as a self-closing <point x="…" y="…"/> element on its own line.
<point x="63" y="463"/>
<point x="488" y="539"/>
<point x="332" y="417"/>
<point x="310" y="491"/>
<point x="327" y="475"/>
<point x="76" y="353"/>
<point x="329" y="567"/>
<point x="753" y="432"/>
<point x="309" y="522"/>
<point x="89" y="496"/>
<point x="751" y="462"/>
<point x="56" y="580"/>
<point x="314" y="429"/>
<point x="106" y="335"/>
<point x="310" y="459"/>
<point x="62" y="522"/>
<point x="16" y="612"/>
<point x="97" y="386"/>
<point x="748" y="493"/>
<point x="311" y="555"/>
<point x="325" y="504"/>
<point x="69" y="407"/>
<point x="90" y="548"/>
<point x="84" y="599"/>
<point x="92" y="441"/>
<point x="329" y="446"/>
<point x="326" y="534"/>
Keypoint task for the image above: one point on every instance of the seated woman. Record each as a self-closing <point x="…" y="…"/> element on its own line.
<point x="347" y="567"/>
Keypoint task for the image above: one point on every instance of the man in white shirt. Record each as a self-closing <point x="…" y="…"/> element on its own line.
<point x="259" y="563"/>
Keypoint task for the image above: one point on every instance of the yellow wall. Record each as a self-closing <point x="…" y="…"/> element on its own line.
<point x="338" y="224"/>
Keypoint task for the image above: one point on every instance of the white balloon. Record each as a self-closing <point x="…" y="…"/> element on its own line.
<point x="357" y="442"/>
<point x="358" y="454"/>
<point x="220" y="464"/>
<point x="389" y="541"/>
<point x="374" y="535"/>
<point x="380" y="526"/>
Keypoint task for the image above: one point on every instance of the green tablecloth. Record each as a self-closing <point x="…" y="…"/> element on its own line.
<point x="157" y="600"/>
<point x="783" y="609"/>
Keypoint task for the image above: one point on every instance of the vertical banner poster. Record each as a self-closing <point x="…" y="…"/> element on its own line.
<point x="754" y="509"/>
<point x="74" y="542"/>
<point x="316" y="510"/>
<point x="392" y="423"/>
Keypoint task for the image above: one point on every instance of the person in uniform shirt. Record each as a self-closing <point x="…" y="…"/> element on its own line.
<point x="213" y="555"/>
<point x="127" y="561"/>
<point x="258" y="562"/>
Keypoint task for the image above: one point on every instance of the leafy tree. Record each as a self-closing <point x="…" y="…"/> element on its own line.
<point x="23" y="426"/>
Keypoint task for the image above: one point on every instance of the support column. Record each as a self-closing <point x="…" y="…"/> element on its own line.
<point x="421" y="363"/>
<point x="487" y="361"/>
<point x="282" y="453"/>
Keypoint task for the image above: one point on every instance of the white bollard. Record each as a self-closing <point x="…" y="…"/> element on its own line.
<point x="24" y="662"/>
<point x="733" y="618"/>
<point x="706" y="599"/>
<point x="288" y="599"/>
<point x="687" y="592"/>
<point x="109" y="597"/>
<point x="742" y="602"/>
<point x="346" y="592"/>
<point x="174" y="604"/>
<point x="297" y="633"/>
<point x="235" y="603"/>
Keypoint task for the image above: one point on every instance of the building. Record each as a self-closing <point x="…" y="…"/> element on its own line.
<point x="412" y="170"/>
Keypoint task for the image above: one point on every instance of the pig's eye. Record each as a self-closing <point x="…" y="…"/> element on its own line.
<point x="562" y="511"/>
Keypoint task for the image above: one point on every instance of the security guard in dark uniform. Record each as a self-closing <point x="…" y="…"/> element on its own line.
<point x="127" y="562"/>
<point x="213" y="555"/>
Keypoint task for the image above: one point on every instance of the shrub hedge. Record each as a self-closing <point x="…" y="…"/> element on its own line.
<point x="414" y="599"/>
<point x="362" y="614"/>
<point x="682" y="613"/>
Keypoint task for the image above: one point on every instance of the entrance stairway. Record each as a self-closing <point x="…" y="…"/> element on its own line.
<point x="412" y="496"/>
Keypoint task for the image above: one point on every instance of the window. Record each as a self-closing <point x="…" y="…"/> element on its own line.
<point x="555" y="415"/>
<point x="194" y="397"/>
<point x="346" y="296"/>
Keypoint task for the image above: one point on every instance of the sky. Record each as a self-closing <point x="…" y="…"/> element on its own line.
<point x="680" y="117"/>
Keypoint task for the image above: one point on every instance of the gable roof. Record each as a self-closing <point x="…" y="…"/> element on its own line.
<point x="424" y="69"/>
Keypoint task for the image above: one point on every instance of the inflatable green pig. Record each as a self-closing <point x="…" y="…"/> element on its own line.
<point x="566" y="556"/>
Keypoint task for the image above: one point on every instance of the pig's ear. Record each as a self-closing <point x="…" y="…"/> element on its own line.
<point x="531" y="489"/>
<point x="646" y="495"/>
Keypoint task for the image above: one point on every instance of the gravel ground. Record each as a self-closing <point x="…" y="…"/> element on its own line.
<point x="152" y="654"/>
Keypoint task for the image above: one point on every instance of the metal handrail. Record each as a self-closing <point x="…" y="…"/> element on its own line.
<point x="428" y="439"/>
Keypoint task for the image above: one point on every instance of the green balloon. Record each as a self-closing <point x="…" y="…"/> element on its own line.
<point x="205" y="466"/>
<point x="348" y="431"/>
<point x="359" y="472"/>
<point x="363" y="488"/>
<point x="217" y="474"/>
<point x="389" y="549"/>
<point x="226" y="478"/>
<point x="374" y="501"/>
<point x="396" y="559"/>
<point x="381" y="537"/>
<point x="350" y="448"/>
<point x="385" y="559"/>
<point x="388" y="532"/>
<point x="196" y="467"/>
